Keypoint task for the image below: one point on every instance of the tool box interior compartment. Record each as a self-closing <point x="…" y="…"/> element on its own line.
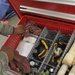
<point x="46" y="63"/>
<point x="53" y="29"/>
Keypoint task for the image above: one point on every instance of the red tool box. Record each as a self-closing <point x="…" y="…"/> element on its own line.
<point x="54" y="16"/>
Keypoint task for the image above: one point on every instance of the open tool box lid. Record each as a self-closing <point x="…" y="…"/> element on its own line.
<point x="60" y="15"/>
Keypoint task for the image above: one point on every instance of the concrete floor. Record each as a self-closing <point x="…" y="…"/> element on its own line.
<point x="12" y="21"/>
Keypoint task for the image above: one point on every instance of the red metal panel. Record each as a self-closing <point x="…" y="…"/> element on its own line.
<point x="65" y="28"/>
<point x="43" y="5"/>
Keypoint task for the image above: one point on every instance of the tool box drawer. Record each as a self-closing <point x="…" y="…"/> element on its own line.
<point x="56" y="23"/>
<point x="50" y="33"/>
